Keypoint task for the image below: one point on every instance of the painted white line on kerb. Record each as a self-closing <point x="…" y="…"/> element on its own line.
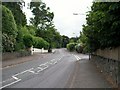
<point x="10" y="83"/>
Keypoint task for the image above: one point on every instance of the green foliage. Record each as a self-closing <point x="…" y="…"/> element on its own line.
<point x="9" y="30"/>
<point x="19" y="46"/>
<point x="79" y="48"/>
<point x="31" y="30"/>
<point x="20" y="20"/>
<point x="102" y="28"/>
<point x="40" y="43"/>
<point x="65" y="41"/>
<point x="44" y="25"/>
<point x="73" y="39"/>
<point x="71" y="46"/>
<point x="28" y="40"/>
<point x="16" y="9"/>
<point x="21" y="32"/>
<point x="51" y="36"/>
<point x="42" y="14"/>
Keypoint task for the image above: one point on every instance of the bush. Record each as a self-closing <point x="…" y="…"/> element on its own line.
<point x="19" y="46"/>
<point x="40" y="43"/>
<point x="28" y="40"/>
<point x="79" y="48"/>
<point x="9" y="30"/>
<point x="71" y="46"/>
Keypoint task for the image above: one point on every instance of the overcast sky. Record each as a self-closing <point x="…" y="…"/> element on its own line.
<point x="65" y="22"/>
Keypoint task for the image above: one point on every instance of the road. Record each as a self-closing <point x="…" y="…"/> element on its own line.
<point x="61" y="69"/>
<point x="52" y="71"/>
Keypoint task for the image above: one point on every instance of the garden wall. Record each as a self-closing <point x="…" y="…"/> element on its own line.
<point x="108" y="61"/>
<point x="13" y="55"/>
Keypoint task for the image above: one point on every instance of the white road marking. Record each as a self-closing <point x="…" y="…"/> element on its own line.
<point x="15" y="77"/>
<point x="23" y="72"/>
<point x="6" y="80"/>
<point x="31" y="71"/>
<point x="60" y="59"/>
<point x="40" y="70"/>
<point x="10" y="83"/>
<point x="52" y="62"/>
<point x="78" y="58"/>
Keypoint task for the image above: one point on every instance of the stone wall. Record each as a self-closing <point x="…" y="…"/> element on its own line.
<point x="108" y="61"/>
<point x="110" y="53"/>
<point x="13" y="55"/>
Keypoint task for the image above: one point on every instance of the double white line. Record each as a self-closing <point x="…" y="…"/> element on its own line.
<point x="78" y="58"/>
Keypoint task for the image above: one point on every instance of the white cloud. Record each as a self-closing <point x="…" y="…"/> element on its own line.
<point x="64" y="20"/>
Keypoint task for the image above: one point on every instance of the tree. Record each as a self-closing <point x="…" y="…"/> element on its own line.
<point x="40" y="43"/>
<point x="42" y="14"/>
<point x="20" y="19"/>
<point x="71" y="46"/>
<point x="9" y="30"/>
<point x="102" y="28"/>
<point x="16" y="9"/>
<point x="28" y="41"/>
<point x="65" y="41"/>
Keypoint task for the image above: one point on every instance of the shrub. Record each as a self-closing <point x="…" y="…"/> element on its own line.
<point x="9" y="30"/>
<point x="28" y="40"/>
<point x="71" y="46"/>
<point x="19" y="46"/>
<point x="40" y="43"/>
<point x="79" y="48"/>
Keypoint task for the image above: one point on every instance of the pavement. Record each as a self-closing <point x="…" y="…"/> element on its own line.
<point x="61" y="69"/>
<point x="13" y="62"/>
<point x="37" y="53"/>
<point x="86" y="75"/>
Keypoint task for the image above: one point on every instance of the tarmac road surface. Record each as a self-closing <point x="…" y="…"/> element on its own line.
<point x="52" y="71"/>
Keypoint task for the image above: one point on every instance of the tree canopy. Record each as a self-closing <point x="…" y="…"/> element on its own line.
<point x="9" y="30"/>
<point x="16" y="9"/>
<point x="102" y="28"/>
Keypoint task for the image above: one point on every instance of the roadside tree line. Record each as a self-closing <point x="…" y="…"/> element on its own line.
<point x="17" y="35"/>
<point x="102" y="28"/>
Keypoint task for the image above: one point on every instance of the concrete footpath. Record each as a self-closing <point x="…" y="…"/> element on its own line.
<point x="13" y="62"/>
<point x="86" y="75"/>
